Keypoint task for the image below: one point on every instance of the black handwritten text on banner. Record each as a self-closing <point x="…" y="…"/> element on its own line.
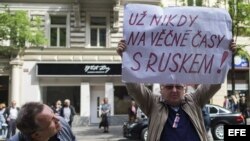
<point x="176" y="44"/>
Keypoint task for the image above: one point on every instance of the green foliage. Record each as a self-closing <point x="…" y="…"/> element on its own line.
<point x="240" y="51"/>
<point x="244" y="31"/>
<point x="199" y="2"/>
<point x="190" y="2"/>
<point x="16" y="27"/>
<point x="10" y="50"/>
<point x="38" y="37"/>
<point x="239" y="12"/>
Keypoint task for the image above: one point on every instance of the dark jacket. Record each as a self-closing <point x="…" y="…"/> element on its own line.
<point x="6" y="113"/>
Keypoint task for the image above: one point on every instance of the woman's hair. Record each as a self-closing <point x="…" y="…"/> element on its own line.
<point x="26" y="117"/>
<point x="2" y="105"/>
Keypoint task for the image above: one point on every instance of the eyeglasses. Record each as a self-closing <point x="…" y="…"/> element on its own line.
<point x="170" y="87"/>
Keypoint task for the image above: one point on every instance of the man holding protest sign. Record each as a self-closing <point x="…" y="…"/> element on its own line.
<point x="173" y="115"/>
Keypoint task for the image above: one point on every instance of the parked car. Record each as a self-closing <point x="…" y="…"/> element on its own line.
<point x="219" y="117"/>
<point x="136" y="130"/>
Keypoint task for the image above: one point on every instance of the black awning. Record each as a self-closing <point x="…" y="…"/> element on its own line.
<point x="78" y="69"/>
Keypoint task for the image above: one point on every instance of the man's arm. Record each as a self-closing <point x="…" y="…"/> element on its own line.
<point x="142" y="95"/>
<point x="205" y="92"/>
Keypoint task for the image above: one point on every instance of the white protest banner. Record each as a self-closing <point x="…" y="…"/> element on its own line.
<point x="176" y="44"/>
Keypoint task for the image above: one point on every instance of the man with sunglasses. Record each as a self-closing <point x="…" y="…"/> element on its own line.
<point x="37" y="122"/>
<point x="173" y="115"/>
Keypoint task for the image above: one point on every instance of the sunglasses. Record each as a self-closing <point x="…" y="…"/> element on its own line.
<point x="170" y="87"/>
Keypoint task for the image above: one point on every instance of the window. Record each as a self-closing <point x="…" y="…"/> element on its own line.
<point x="213" y="110"/>
<point x="58" y="26"/>
<point x="98" y="31"/>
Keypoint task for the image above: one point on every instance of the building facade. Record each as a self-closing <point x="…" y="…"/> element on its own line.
<point x="79" y="61"/>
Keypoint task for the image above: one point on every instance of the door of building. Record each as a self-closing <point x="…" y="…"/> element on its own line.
<point x="97" y="95"/>
<point x="4" y="89"/>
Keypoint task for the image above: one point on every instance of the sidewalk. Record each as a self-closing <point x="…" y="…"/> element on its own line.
<point x="93" y="133"/>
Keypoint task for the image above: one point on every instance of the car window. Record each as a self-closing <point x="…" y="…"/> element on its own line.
<point x="213" y="110"/>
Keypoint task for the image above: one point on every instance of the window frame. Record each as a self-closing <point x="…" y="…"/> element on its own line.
<point x="89" y="27"/>
<point x="58" y="27"/>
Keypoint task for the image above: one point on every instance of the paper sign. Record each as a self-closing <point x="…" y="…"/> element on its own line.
<point x="176" y="44"/>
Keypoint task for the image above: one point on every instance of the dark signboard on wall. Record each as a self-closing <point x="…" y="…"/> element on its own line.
<point x="44" y="69"/>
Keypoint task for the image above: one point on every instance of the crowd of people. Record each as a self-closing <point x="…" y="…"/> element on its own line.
<point x="237" y="103"/>
<point x="8" y="116"/>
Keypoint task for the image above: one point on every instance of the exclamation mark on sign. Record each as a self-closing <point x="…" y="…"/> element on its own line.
<point x="224" y="57"/>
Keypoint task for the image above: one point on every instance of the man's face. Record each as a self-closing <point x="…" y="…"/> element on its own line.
<point x="48" y="122"/>
<point x="13" y="103"/>
<point x="172" y="94"/>
<point x="105" y="100"/>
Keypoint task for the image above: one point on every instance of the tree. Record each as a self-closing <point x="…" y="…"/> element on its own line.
<point x="239" y="12"/>
<point x="16" y="27"/>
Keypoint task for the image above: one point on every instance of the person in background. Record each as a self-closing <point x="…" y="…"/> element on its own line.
<point x="105" y="115"/>
<point x="233" y="103"/>
<point x="10" y="115"/>
<point x="132" y="111"/>
<point x="242" y="104"/>
<point x="57" y="107"/>
<point x="207" y="122"/>
<point x="68" y="112"/>
<point x="3" y="124"/>
<point x="226" y="102"/>
<point x="173" y="115"/>
<point x="246" y="115"/>
<point x="38" y="122"/>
